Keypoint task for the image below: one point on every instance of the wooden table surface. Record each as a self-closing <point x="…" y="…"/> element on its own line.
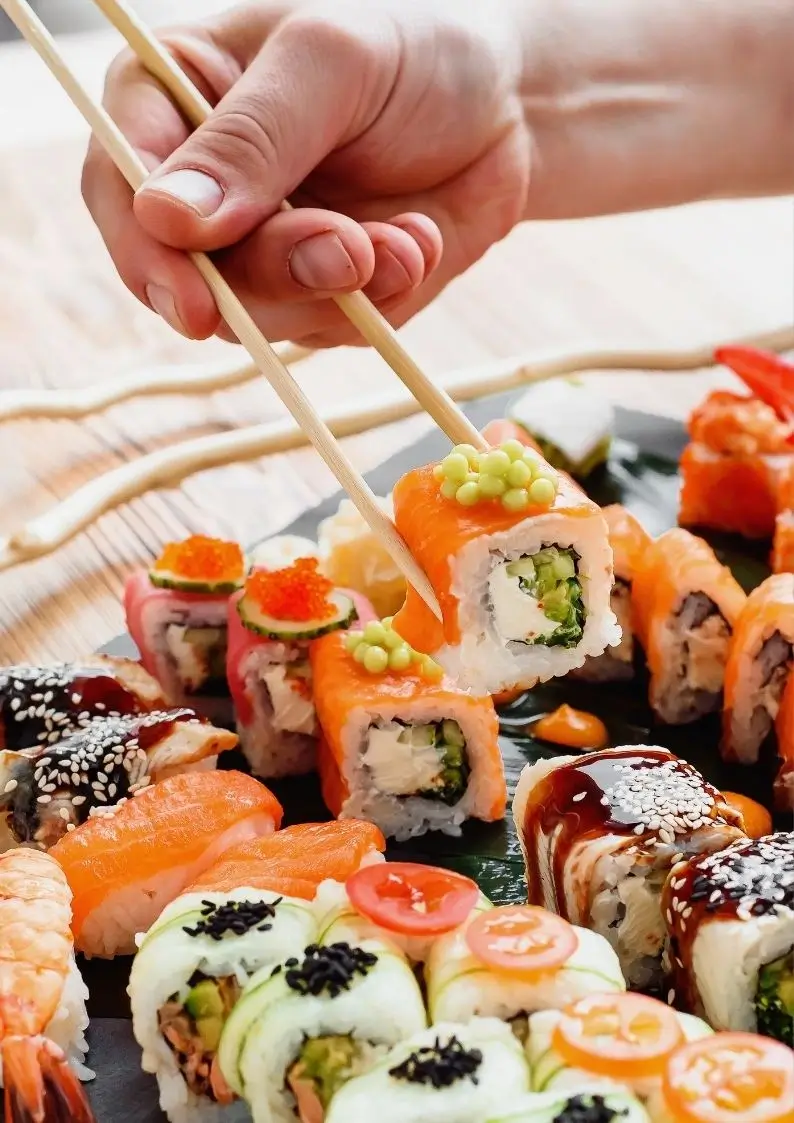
<point x="669" y="279"/>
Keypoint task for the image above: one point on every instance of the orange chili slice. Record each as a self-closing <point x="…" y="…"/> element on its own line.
<point x="769" y="376"/>
<point x="620" y="1035"/>
<point x="757" y="820"/>
<point x="522" y="939"/>
<point x="731" y="1076"/>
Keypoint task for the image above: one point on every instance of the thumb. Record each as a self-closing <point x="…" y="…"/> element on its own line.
<point x="305" y="93"/>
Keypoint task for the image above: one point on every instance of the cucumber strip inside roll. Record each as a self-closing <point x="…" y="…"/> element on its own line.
<point x="424" y="760"/>
<point x="198" y="653"/>
<point x="774" y="999"/>
<point x="537" y="598"/>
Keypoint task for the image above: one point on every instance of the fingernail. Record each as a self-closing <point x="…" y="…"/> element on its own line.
<point x="192" y="189"/>
<point x="322" y="263"/>
<point x="164" y="305"/>
<point x="390" y="276"/>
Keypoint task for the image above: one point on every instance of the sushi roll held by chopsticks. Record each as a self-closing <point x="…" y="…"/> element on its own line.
<point x="686" y="605"/>
<point x="600" y="834"/>
<point x="520" y="561"/>
<point x="731" y="922"/>
<point x="402" y="745"/>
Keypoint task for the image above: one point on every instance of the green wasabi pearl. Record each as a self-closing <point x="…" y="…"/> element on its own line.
<point x="492" y="486"/>
<point x="495" y="463"/>
<point x="392" y="640"/>
<point x="376" y="661"/>
<point x="387" y="621"/>
<point x="353" y="639"/>
<point x="449" y="489"/>
<point x="374" y="632"/>
<point x="455" y="467"/>
<point x="519" y="474"/>
<point x="542" y="491"/>
<point x="360" y="653"/>
<point x="514" y="449"/>
<point x="468" y="494"/>
<point x="400" y="657"/>
<point x="438" y="473"/>
<point x="431" y="668"/>
<point x="469" y="451"/>
<point x="516" y="499"/>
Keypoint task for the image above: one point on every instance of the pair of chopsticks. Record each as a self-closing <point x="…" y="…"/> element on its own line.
<point x="372" y="326"/>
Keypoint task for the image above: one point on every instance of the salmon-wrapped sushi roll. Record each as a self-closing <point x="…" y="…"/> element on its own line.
<point x="758" y="666"/>
<point x="782" y="559"/>
<point x="784" y="728"/>
<point x="402" y="745"/>
<point x="520" y="561"/>
<point x="685" y="605"/>
<point x="628" y="539"/>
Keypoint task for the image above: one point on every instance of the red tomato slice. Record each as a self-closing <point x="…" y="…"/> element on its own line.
<point x="411" y="899"/>
<point x="521" y="939"/>
<point x="731" y="1076"/>
<point x="621" y="1035"/>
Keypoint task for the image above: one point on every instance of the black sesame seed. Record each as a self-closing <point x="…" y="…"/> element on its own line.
<point x="439" y="1065"/>
<point x="588" y="1109"/>
<point x="235" y="917"/>
<point x="328" y="970"/>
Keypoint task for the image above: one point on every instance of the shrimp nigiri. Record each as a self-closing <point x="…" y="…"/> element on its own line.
<point x="42" y="998"/>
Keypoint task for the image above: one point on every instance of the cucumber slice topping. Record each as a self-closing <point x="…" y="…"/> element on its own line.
<point x="257" y="621"/>
<point x="164" y="579"/>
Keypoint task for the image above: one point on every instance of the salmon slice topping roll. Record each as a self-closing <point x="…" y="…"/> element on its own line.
<point x="685" y="605"/>
<point x="407" y="750"/>
<point x="524" y="592"/>
<point x="758" y="666"/>
<point x="124" y="868"/>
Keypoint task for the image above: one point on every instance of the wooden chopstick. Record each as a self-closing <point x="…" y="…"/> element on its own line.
<point x="233" y="312"/>
<point x="359" y="310"/>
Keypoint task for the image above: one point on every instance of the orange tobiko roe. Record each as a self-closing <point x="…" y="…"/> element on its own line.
<point x="297" y="593"/>
<point x="202" y="558"/>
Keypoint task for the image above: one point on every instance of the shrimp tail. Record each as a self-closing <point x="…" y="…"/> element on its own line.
<point x="40" y="1087"/>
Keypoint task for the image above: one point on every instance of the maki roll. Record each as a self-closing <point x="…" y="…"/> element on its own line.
<point x="782" y="559"/>
<point x="628" y="539"/>
<point x="303" y="1028"/>
<point x="445" y="1074"/>
<point x="758" y="667"/>
<point x="579" y="1107"/>
<point x="730" y="917"/>
<point x="520" y="561"/>
<point x="49" y="791"/>
<point x="272" y="623"/>
<point x="176" y="613"/>
<point x="354" y="558"/>
<point x="600" y="834"/>
<point x="509" y="962"/>
<point x="41" y="705"/>
<point x="282" y="551"/>
<point x="187" y="976"/>
<point x="402" y="745"/>
<point x="726" y="1078"/>
<point x="572" y="424"/>
<point x="607" y="1041"/>
<point x="686" y="605"/>
<point x="784" y="728"/>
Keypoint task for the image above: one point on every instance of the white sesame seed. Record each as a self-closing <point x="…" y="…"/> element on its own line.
<point x="11" y="786"/>
<point x="670" y="997"/>
<point x="44" y="799"/>
<point x="579" y="796"/>
<point x="64" y="814"/>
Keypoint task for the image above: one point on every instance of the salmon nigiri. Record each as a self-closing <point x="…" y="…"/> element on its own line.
<point x="296" y="860"/>
<point x="124" y="867"/>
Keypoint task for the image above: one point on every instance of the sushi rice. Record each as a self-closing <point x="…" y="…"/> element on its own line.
<point x="554" y="1107"/>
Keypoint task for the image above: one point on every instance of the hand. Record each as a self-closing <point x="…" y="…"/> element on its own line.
<point x="395" y="126"/>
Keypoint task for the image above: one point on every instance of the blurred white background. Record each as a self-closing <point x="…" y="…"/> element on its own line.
<point x="63" y="17"/>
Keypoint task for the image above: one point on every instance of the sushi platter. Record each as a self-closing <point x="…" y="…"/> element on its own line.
<point x="688" y="806"/>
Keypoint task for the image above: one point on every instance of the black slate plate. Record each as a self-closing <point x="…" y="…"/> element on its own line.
<point x="642" y="474"/>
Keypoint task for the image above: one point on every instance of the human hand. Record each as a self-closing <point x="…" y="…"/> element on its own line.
<point x="394" y="126"/>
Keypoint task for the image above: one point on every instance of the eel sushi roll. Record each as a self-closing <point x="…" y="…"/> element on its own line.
<point x="732" y="470"/>
<point x="600" y="834"/>
<point x="302" y="1029"/>
<point x="758" y="667"/>
<point x="726" y="1078"/>
<point x="607" y="1041"/>
<point x="187" y="976"/>
<point x="176" y="613"/>
<point x="520" y="561"/>
<point x="730" y="917"/>
<point x="628" y="539"/>
<point x="572" y="425"/>
<point x="402" y="745"/>
<point x="445" y="1074"/>
<point x="46" y="792"/>
<point x="124" y="867"/>
<point x="39" y="706"/>
<point x="580" y="1107"/>
<point x="273" y="622"/>
<point x="685" y="606"/>
<point x="510" y="961"/>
